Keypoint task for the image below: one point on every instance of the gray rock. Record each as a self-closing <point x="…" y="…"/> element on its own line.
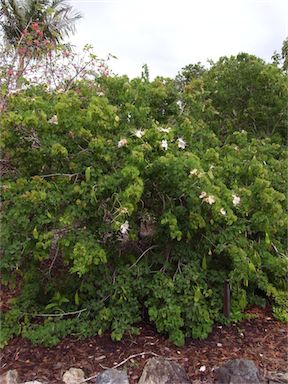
<point x="278" y="378"/>
<point x="112" y="376"/>
<point x="238" y="371"/>
<point x="73" y="376"/>
<point x="163" y="371"/>
<point x="9" y="377"/>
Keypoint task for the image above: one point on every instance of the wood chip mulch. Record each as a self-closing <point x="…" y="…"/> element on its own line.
<point x="263" y="340"/>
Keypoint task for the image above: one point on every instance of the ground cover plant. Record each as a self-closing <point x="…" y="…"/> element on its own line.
<point x="130" y="199"/>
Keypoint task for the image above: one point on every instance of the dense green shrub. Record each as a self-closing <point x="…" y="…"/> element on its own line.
<point x="123" y="204"/>
<point x="244" y="91"/>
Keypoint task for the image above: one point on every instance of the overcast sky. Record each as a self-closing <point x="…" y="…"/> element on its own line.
<point x="169" y="34"/>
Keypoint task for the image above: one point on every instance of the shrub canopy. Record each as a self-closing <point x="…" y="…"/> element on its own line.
<point x="131" y="199"/>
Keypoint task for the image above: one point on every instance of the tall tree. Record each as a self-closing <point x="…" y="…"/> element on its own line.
<point x="249" y="94"/>
<point x="34" y="26"/>
<point x="56" y="19"/>
<point x="188" y="73"/>
<point x="281" y="59"/>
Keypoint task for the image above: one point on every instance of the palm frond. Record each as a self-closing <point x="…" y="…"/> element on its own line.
<point x="12" y="20"/>
<point x="56" y="17"/>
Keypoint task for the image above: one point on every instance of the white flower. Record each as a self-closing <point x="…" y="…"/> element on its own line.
<point x="138" y="133"/>
<point x="180" y="104"/>
<point x="53" y="120"/>
<point x="164" y="144"/>
<point x="14" y="91"/>
<point x="209" y="199"/>
<point x="124" y="228"/>
<point x="223" y="212"/>
<point x="202" y="194"/>
<point x="165" y="130"/>
<point x="122" y="142"/>
<point x="194" y="172"/>
<point x="236" y="200"/>
<point x="219" y="345"/>
<point x="202" y="368"/>
<point x="181" y="143"/>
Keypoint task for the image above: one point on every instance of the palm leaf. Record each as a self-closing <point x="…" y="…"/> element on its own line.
<point x="56" y="18"/>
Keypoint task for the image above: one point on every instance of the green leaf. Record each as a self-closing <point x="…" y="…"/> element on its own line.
<point x="35" y="233"/>
<point x="197" y="295"/>
<point x="204" y="263"/>
<point x="251" y="267"/>
<point x="76" y="298"/>
<point x="267" y="238"/>
<point x="88" y="174"/>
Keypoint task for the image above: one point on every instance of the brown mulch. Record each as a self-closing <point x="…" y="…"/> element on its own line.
<point x="262" y="339"/>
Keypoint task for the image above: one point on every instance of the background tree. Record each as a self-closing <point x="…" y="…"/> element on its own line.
<point x="281" y="59"/>
<point x="248" y="94"/>
<point x="32" y="27"/>
<point x="188" y="73"/>
<point x="55" y="17"/>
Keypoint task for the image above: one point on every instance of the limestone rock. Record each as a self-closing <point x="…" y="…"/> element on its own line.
<point x="32" y="382"/>
<point x="163" y="371"/>
<point x="278" y="378"/>
<point x="9" y="377"/>
<point x="238" y="371"/>
<point x="112" y="376"/>
<point x="73" y="376"/>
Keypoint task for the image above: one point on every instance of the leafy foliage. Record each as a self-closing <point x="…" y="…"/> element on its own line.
<point x="242" y="92"/>
<point x="123" y="204"/>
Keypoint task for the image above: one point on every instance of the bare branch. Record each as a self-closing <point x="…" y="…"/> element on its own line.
<point x="60" y="174"/>
<point x="144" y="253"/>
<point x="58" y="314"/>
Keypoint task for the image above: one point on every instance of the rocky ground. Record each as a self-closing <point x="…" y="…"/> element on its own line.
<point x="261" y="339"/>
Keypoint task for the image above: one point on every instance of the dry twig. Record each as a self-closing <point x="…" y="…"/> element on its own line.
<point x="121" y="363"/>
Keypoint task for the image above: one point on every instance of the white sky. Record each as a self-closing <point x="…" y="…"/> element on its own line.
<point x="167" y="35"/>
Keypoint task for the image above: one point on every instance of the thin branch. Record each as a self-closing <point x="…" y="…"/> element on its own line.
<point x="177" y="270"/>
<point x="209" y="240"/>
<point x="144" y="253"/>
<point x="60" y="174"/>
<point x="77" y="74"/>
<point x="54" y="259"/>
<point x="57" y="314"/>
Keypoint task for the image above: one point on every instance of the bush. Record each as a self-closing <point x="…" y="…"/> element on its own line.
<point x="238" y="92"/>
<point x="122" y="205"/>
